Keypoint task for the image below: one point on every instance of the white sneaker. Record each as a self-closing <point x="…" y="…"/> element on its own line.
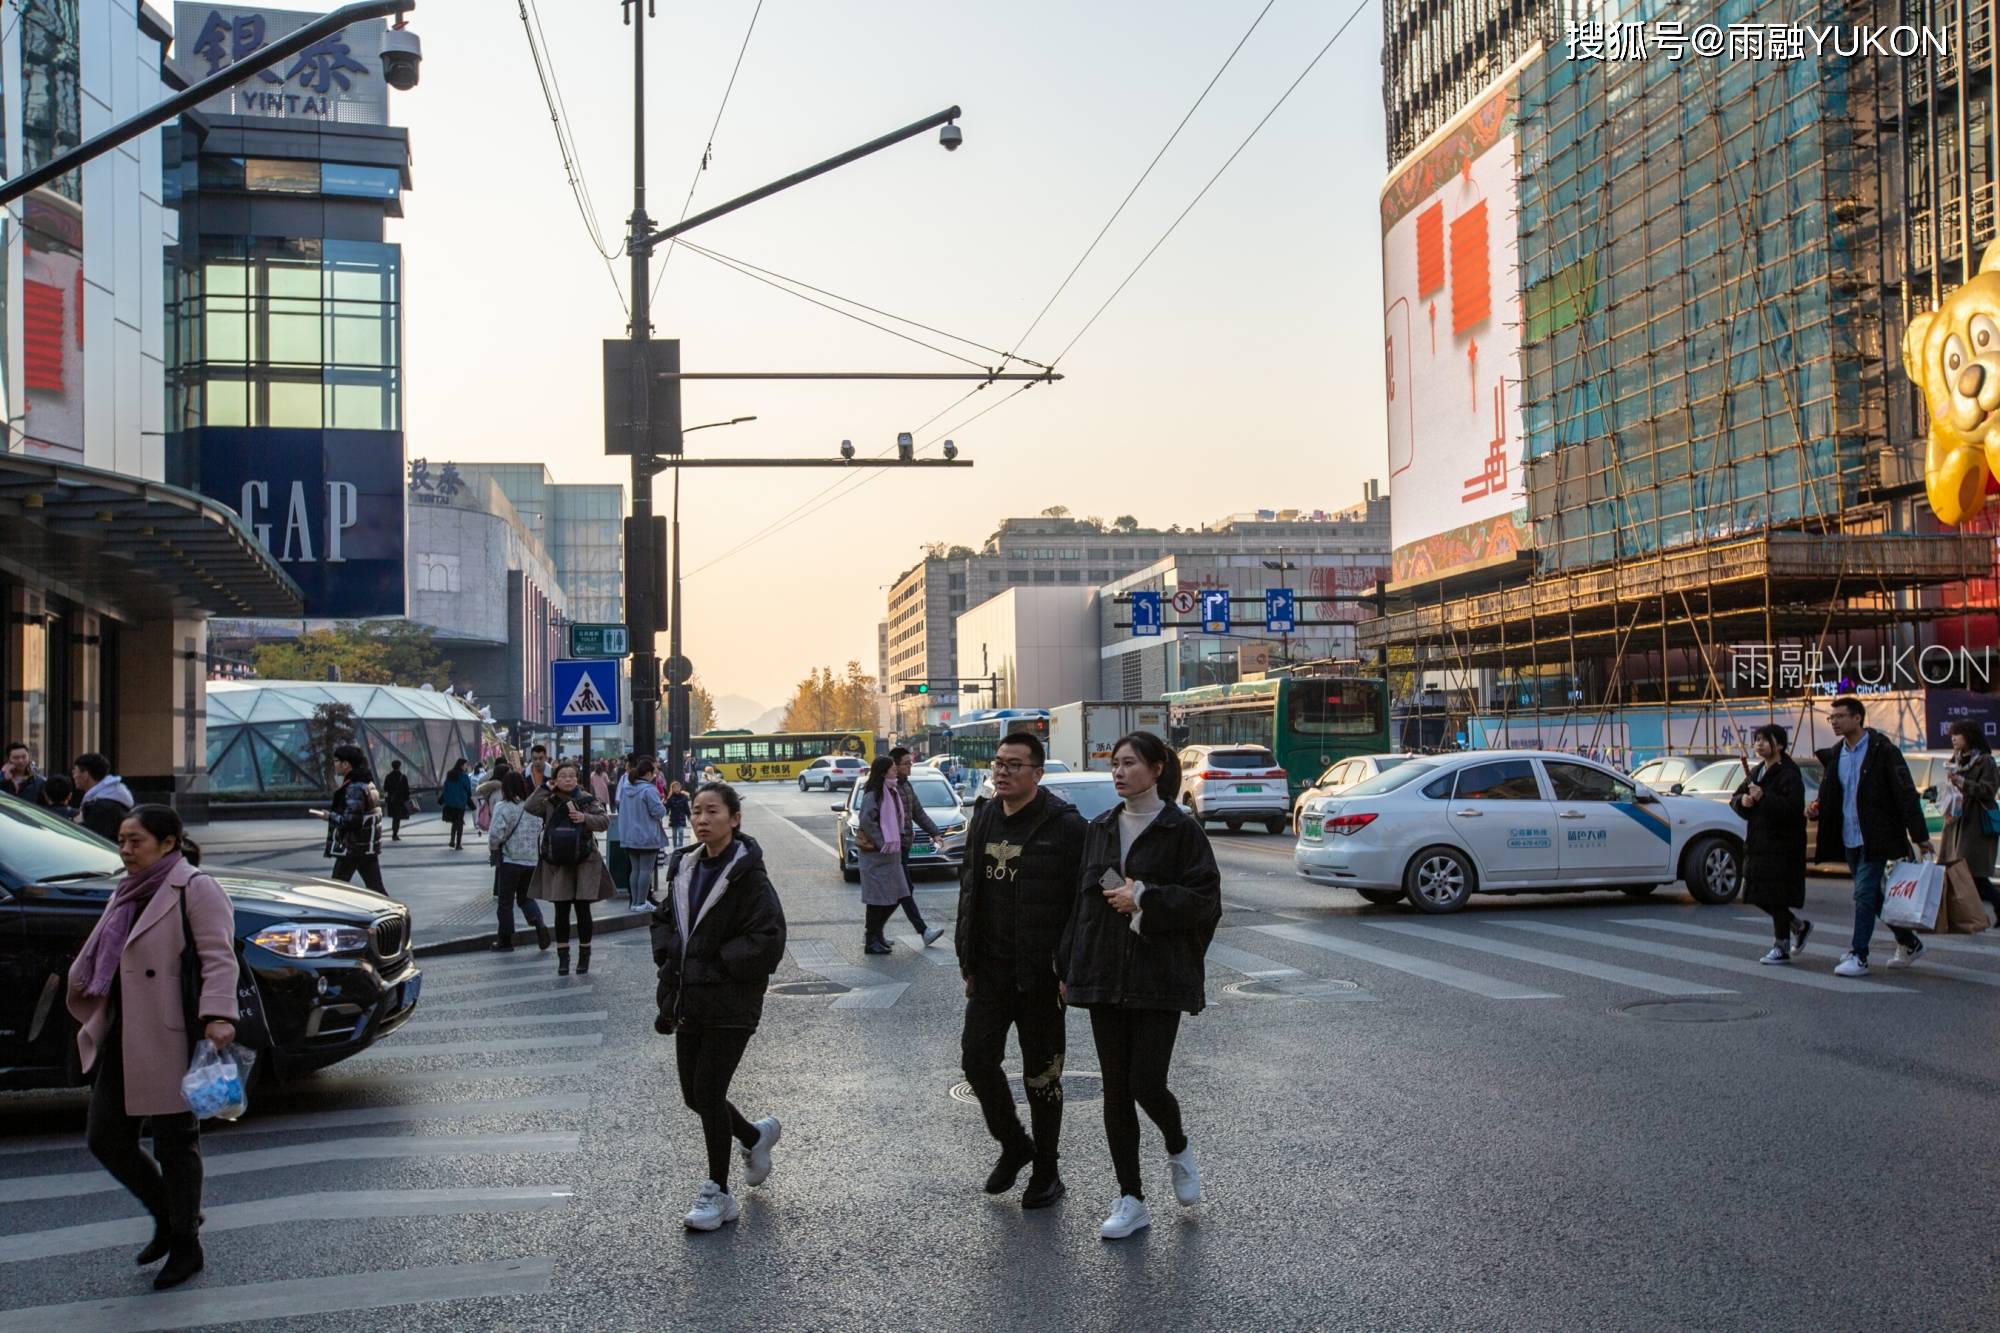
<point x="1187" y="1176"/>
<point x="933" y="935"/>
<point x="1777" y="955"/>
<point x="712" y="1207"/>
<point x="1127" y="1216"/>
<point x="1905" y="955"/>
<point x="1850" y="966"/>
<point x="757" y="1158"/>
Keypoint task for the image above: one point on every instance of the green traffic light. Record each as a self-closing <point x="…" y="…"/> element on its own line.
<point x="923" y="689"/>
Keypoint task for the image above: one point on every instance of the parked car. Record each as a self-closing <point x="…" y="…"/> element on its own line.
<point x="1342" y="775"/>
<point x="1927" y="771"/>
<point x="1670" y="772"/>
<point x="1439" y="829"/>
<point x="1719" y="781"/>
<point x="832" y="772"/>
<point x="333" y="963"/>
<point x="1237" y="784"/>
<point x="940" y="801"/>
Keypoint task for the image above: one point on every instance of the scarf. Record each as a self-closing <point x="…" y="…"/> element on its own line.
<point x="892" y="817"/>
<point x="134" y="892"/>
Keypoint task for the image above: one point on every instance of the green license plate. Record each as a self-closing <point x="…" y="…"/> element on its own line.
<point x="920" y="849"/>
<point x="1250" y="788"/>
<point x="1311" y="827"/>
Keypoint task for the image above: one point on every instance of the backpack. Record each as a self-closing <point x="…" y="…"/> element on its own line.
<point x="565" y="843"/>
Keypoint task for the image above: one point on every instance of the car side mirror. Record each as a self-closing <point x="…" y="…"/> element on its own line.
<point x="1645" y="798"/>
<point x="839" y="806"/>
<point x="1674" y="790"/>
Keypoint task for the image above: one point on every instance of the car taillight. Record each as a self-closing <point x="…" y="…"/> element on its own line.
<point x="1349" y="825"/>
<point x="1277" y="773"/>
<point x="1215" y="774"/>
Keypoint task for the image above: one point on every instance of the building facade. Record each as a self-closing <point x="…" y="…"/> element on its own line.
<point x="1029" y="648"/>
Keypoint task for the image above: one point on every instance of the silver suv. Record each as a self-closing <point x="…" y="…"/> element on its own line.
<point x="1237" y="784"/>
<point x="832" y="772"/>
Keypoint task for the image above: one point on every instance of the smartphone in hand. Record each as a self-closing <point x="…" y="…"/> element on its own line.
<point x="1110" y="879"/>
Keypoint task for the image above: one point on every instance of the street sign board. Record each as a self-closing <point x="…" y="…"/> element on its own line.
<point x="1278" y="609"/>
<point x="1183" y="601"/>
<point x="1215" y="610"/>
<point x="591" y="640"/>
<point x="1145" y="615"/>
<point x="679" y="671"/>
<point x="585" y="692"/>
<point x="663" y="425"/>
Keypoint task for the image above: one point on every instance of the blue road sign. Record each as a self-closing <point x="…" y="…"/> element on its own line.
<point x="585" y="692"/>
<point x="1145" y="615"/>
<point x="1215" y="610"/>
<point x="1278" y="610"/>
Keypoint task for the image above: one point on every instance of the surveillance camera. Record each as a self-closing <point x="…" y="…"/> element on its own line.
<point x="847" y="448"/>
<point x="401" y="54"/>
<point x="950" y="449"/>
<point x="951" y="136"/>
<point x="906" y="446"/>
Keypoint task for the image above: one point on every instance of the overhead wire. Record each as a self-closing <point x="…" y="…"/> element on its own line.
<point x="572" y="163"/>
<point x="708" y="149"/>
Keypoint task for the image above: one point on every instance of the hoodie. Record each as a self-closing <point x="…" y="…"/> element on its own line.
<point x="105" y="807"/>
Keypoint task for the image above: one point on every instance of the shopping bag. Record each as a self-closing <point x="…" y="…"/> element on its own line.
<point x="1912" y="894"/>
<point x="1963" y="913"/>
<point x="216" y="1083"/>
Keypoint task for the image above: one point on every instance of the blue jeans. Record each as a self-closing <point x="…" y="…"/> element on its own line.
<point x="1869" y="877"/>
<point x="680" y="834"/>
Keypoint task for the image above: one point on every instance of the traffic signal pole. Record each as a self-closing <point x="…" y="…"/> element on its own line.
<point x="640" y="576"/>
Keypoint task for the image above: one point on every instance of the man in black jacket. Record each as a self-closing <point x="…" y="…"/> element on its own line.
<point x="1868" y="814"/>
<point x="19" y="778"/>
<point x="1023" y="855"/>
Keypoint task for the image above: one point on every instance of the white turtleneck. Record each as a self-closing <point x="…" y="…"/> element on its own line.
<point x="1139" y="810"/>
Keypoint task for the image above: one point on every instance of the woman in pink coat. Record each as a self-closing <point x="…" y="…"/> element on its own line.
<point x="125" y="992"/>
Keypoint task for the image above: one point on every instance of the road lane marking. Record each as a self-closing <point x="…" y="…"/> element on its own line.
<point x="872" y="997"/>
<point x="812" y="838"/>
<point x="516" y="1021"/>
<point x="1493" y="988"/>
<point x="938" y="955"/>
<point x="1622" y="976"/>
<point x="281" y="1122"/>
<point x="317" y="1206"/>
<point x="540" y="988"/>
<point x="1702" y="958"/>
<point x="482" y="1074"/>
<point x="1931" y="938"/>
<point x="389" y="1050"/>
<point x="63" y="1183"/>
<point x="500" y="1001"/>
<point x="1250" y="964"/>
<point x="1972" y="975"/>
<point x="200" y="1306"/>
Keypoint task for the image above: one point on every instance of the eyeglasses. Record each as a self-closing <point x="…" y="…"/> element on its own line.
<point x="1011" y="765"/>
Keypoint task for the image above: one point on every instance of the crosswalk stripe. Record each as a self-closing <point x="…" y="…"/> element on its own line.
<point x="1249" y="964"/>
<point x="199" y="1306"/>
<point x="1703" y="958"/>
<point x="513" y="1021"/>
<point x="1623" y="976"/>
<point x="313" y="1121"/>
<point x="872" y="997"/>
<point x="1972" y="975"/>
<point x="393" y="1050"/>
<point x="535" y="988"/>
<point x="491" y="964"/>
<point x="62" y="1183"/>
<point x="1493" y="988"/>
<point x="504" y="1001"/>
<point x="348" y="1077"/>
<point x="316" y="1206"/>
<point x="1952" y="943"/>
<point x="938" y="955"/>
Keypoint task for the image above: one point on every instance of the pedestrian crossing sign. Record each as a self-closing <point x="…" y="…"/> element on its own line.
<point x="585" y="692"/>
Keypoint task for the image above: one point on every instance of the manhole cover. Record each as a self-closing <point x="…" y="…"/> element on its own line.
<point x="1078" y="1086"/>
<point x="1689" y="1011"/>
<point x="1304" y="988"/>
<point x="809" y="988"/>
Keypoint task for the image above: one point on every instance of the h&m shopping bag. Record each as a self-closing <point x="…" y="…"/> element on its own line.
<point x="1911" y="896"/>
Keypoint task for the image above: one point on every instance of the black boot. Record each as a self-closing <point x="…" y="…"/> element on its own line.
<point x="1045" y="1116"/>
<point x="1045" y="1186"/>
<point x="542" y="936"/>
<point x="156" y="1248"/>
<point x="562" y="960"/>
<point x="1007" y="1170"/>
<point x="184" y="1260"/>
<point x="582" y="959"/>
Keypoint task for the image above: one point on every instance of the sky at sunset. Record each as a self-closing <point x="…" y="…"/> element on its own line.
<point x="1241" y="369"/>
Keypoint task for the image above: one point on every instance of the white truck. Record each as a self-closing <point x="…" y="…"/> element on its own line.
<point x="1082" y="734"/>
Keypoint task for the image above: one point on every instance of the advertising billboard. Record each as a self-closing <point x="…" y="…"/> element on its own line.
<point x="1451" y="301"/>
<point x="337" y="78"/>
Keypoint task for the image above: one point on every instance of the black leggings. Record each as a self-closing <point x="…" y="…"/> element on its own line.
<point x="582" y="921"/>
<point x="707" y="1059"/>
<point x="168" y="1183"/>
<point x="878" y="917"/>
<point x="1134" y="1049"/>
<point x="369" y="866"/>
<point x="1781" y="922"/>
<point x="456" y="818"/>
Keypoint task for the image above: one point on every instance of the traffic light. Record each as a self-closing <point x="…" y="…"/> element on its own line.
<point x="924" y="688"/>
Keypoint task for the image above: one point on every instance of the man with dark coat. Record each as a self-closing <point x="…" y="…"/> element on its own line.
<point x="397" y="788"/>
<point x="1868" y="815"/>
<point x="19" y="778"/>
<point x="1023" y="858"/>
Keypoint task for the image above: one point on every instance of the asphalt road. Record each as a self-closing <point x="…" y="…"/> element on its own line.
<point x="1563" y="1113"/>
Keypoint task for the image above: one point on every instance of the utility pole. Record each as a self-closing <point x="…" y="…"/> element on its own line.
<point x="641" y="578"/>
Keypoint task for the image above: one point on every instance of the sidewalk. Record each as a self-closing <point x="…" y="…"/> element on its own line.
<point x="449" y="894"/>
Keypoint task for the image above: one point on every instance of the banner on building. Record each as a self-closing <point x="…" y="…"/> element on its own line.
<point x="337" y="78"/>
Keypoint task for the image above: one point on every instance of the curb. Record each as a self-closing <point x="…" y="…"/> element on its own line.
<point x="481" y="942"/>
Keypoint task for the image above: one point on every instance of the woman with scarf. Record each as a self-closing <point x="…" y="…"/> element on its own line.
<point x="133" y="1037"/>
<point x="570" y="871"/>
<point x="879" y="846"/>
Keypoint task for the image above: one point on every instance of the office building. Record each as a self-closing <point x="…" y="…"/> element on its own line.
<point x="1029" y="648"/>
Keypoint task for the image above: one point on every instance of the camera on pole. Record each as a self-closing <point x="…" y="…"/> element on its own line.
<point x="906" y="447"/>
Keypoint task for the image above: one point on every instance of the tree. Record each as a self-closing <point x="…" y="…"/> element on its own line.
<point x="826" y="702"/>
<point x="393" y="652"/>
<point x="701" y="706"/>
<point x="1094" y="522"/>
<point x="959" y="553"/>
<point x="1125" y="523"/>
<point x="1056" y="511"/>
<point x="330" y="727"/>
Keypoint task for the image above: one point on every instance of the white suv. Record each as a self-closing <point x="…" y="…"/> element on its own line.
<point x="1237" y="784"/>
<point x="832" y="772"/>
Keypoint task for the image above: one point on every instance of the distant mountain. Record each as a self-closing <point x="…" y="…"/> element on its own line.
<point x="733" y="711"/>
<point x="769" y="721"/>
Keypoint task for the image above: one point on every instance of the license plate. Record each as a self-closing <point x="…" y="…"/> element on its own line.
<point x="1250" y="788"/>
<point x="410" y="989"/>
<point x="920" y="849"/>
<point x="1311" y="827"/>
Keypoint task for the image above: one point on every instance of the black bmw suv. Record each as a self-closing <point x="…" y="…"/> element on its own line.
<point x="333" y="963"/>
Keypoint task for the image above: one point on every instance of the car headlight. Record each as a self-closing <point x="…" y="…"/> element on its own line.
<point x="311" y="940"/>
<point x="953" y="834"/>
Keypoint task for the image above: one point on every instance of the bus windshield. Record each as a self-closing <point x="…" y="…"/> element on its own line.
<point x="1335" y="708"/>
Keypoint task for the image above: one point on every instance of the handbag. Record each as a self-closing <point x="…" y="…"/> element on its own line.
<point x="1989" y="820"/>
<point x="1912" y="894"/>
<point x="253" y="1026"/>
<point x="1962" y="913"/>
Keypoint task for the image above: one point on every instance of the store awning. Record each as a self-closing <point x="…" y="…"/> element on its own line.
<point x="140" y="548"/>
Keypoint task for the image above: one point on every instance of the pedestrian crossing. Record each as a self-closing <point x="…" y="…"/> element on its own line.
<point x="490" y="1127"/>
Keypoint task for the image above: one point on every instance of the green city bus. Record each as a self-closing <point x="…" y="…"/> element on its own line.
<point x="1308" y="722"/>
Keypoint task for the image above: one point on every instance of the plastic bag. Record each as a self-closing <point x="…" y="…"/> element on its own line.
<point x="216" y="1084"/>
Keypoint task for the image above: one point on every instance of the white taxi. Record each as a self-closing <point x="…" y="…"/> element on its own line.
<point x="1439" y="829"/>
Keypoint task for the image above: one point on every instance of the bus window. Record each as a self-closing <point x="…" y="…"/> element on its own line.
<point x="760" y="752"/>
<point x="1335" y="708"/>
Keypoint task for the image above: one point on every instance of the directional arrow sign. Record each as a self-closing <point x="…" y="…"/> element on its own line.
<point x="1278" y="609"/>
<point x="1215" y="611"/>
<point x="1145" y="615"/>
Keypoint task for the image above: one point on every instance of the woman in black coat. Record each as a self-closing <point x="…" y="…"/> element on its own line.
<point x="718" y="936"/>
<point x="1133" y="956"/>
<point x="1772" y="801"/>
